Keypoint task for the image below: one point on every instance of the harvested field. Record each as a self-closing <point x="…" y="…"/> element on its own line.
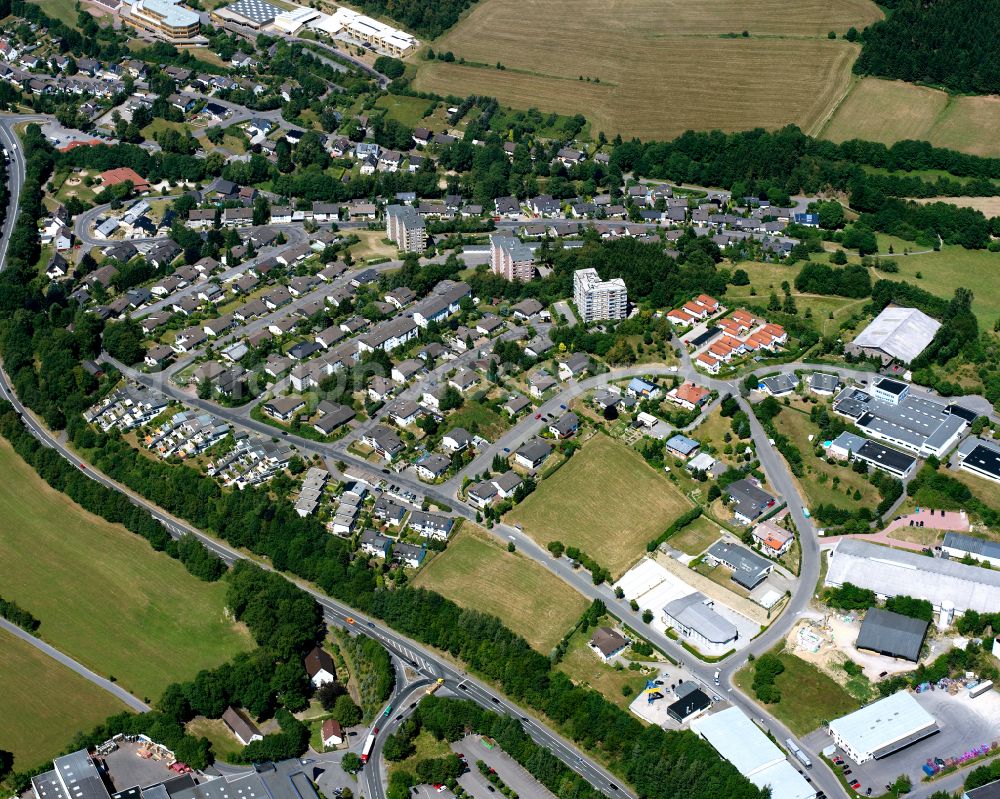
<point x="889" y="111"/>
<point x="531" y="600"/>
<point x="606" y="500"/>
<point x="684" y="70"/>
<point x="989" y="206"/>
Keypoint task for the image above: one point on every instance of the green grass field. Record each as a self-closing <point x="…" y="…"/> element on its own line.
<point x="889" y="111"/>
<point x="407" y="111"/>
<point x="808" y="696"/>
<point x="531" y="600"/>
<point x="224" y="743"/>
<point x="64" y="10"/>
<point x="43" y="704"/>
<point x="607" y="501"/>
<point x="585" y="668"/>
<point x="103" y="596"/>
<point x="685" y="68"/>
<point x="479" y="419"/>
<point x="696" y="537"/>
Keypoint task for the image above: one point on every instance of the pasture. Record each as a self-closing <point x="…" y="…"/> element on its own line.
<point x="688" y="66"/>
<point x="43" y="704"/>
<point x="889" y="111"/>
<point x="477" y="573"/>
<point x="606" y="500"/>
<point x="102" y="594"/>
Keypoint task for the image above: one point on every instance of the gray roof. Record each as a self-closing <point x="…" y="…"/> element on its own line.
<point x="849" y="441"/>
<point x="780" y="384"/>
<point x="534" y="450"/>
<point x="820" y="381"/>
<point x="74" y="776"/>
<point x="682" y="444"/>
<point x="902" y="333"/>
<point x="990" y="790"/>
<point x="748" y="567"/>
<point x="972" y="545"/>
<point x="893" y="572"/>
<point x="892" y="634"/>
<point x="694" y="612"/>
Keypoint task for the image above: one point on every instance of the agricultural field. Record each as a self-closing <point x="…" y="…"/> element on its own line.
<point x="988" y="206"/>
<point x="43" y="704"/>
<point x="808" y="696"/>
<point x="103" y="596"/>
<point x="586" y="668"/>
<point x="606" y="500"/>
<point x="531" y="600"/>
<point x="688" y="65"/>
<point x="889" y="111"/>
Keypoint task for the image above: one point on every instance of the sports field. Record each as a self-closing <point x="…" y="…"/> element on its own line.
<point x="477" y="573"/>
<point x="681" y="67"/>
<point x="889" y="111"/>
<point x="103" y="596"/>
<point x="43" y="704"/>
<point x="606" y="500"/>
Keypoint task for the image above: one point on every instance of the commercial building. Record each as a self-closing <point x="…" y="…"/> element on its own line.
<point x="749" y="568"/>
<point x="892" y="634"/>
<point x="695" y="619"/>
<point x="883" y="727"/>
<point x="890" y="460"/>
<point x="845" y="446"/>
<point x="989" y="791"/>
<point x="890" y="413"/>
<point x="899" y="334"/>
<point x="691" y="704"/>
<point x="892" y="572"/>
<point x="370" y="31"/>
<point x="737" y="739"/>
<point x="981" y="458"/>
<point x="959" y="545"/>
<point x="73" y="776"/>
<point x="511" y="259"/>
<point x="164" y="19"/>
<point x="598" y="299"/>
<point x="405" y="228"/>
<point x="248" y="13"/>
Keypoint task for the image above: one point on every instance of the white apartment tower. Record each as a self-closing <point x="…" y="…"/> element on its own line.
<point x="598" y="299"/>
<point x="511" y="258"/>
<point x="405" y="228"/>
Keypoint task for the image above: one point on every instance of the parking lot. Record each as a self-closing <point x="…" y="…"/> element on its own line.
<point x="511" y="772"/>
<point x="656" y="712"/>
<point x="127" y="769"/>
<point x="964" y="723"/>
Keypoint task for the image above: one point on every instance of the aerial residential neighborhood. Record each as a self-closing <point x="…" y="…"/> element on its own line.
<point x="499" y="399"/>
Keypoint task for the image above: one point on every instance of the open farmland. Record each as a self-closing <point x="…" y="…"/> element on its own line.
<point x="476" y="573"/>
<point x="43" y="703"/>
<point x="889" y="111"/>
<point x="103" y="596"/>
<point x="682" y="70"/>
<point x="606" y="500"/>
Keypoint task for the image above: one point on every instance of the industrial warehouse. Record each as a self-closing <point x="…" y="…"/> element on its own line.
<point x="892" y="572"/>
<point x="883" y="727"/>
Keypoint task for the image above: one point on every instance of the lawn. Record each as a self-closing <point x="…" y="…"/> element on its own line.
<point x="372" y="245"/>
<point x="808" y="696"/>
<point x="889" y="111"/>
<point x="585" y="668"/>
<point x="64" y="10"/>
<point x="817" y="482"/>
<point x="224" y="743"/>
<point x="478" y="419"/>
<point x="696" y="537"/>
<point x="530" y="599"/>
<point x="406" y="110"/>
<point x="43" y="704"/>
<point x="102" y="594"/>
<point x="426" y="746"/>
<point x="684" y="70"/>
<point x="606" y="500"/>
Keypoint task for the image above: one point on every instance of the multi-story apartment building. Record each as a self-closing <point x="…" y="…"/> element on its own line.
<point x="405" y="228"/>
<point x="599" y="299"/>
<point x="511" y="258"/>
<point x="165" y="19"/>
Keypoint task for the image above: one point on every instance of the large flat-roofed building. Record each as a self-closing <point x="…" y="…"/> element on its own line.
<point x="918" y="424"/>
<point x="959" y="545"/>
<point x="511" y="258"/>
<point x="896" y="334"/>
<point x="405" y="228"/>
<point x="248" y="13"/>
<point x="890" y="460"/>
<point x="598" y="299"/>
<point x="892" y="634"/>
<point x="752" y="753"/>
<point x="893" y="572"/>
<point x="883" y="727"/>
<point x="370" y="31"/>
<point x="980" y="457"/>
<point x="73" y="776"/>
<point x="165" y="19"/>
<point x="990" y="790"/>
<point x="695" y="619"/>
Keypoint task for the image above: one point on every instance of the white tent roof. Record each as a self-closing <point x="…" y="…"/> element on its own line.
<point x="903" y="333"/>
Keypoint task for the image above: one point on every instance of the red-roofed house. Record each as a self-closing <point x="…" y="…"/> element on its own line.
<point x="679" y="317"/>
<point x="120" y="174"/>
<point x="332" y="732"/>
<point x="708" y="363"/>
<point x="690" y="395"/>
<point x="709" y="302"/>
<point x="697" y="310"/>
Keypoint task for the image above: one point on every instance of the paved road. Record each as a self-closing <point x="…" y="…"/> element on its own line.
<point x="115" y="690"/>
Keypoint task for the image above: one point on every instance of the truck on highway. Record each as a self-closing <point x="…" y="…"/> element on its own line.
<point x="366" y="751"/>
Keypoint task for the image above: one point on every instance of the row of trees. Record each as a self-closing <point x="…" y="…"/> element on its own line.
<point x="15" y="614"/>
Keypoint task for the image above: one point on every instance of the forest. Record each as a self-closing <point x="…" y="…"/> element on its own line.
<point x="950" y="44"/>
